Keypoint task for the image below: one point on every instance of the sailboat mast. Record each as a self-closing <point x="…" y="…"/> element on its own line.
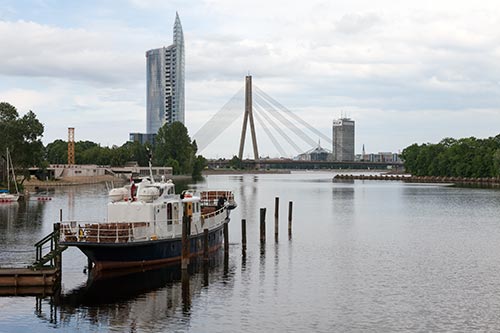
<point x="10" y="167"/>
<point x="13" y="175"/>
<point x="8" y="171"/>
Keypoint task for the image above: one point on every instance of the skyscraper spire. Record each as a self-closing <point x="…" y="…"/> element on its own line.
<point x="165" y="82"/>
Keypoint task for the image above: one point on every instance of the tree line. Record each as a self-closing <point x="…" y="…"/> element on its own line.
<point x="23" y="136"/>
<point x="466" y="157"/>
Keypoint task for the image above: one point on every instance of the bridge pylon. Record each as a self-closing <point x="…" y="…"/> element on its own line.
<point x="248" y="117"/>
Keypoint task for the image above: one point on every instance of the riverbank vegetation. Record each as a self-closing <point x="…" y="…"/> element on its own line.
<point x="466" y="157"/>
<point x="22" y="135"/>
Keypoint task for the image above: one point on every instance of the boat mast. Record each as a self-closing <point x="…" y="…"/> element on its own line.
<point x="8" y="171"/>
<point x="14" y="176"/>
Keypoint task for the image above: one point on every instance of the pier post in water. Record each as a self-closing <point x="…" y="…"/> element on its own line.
<point x="262" y="225"/>
<point x="290" y="208"/>
<point x="276" y="217"/>
<point x="205" y="244"/>
<point x="185" y="242"/>
<point x="226" y="238"/>
<point x="244" y="234"/>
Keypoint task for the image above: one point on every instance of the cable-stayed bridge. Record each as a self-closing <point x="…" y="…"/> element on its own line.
<point x="287" y="132"/>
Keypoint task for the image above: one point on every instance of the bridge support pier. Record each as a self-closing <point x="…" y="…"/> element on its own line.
<point x="249" y="117"/>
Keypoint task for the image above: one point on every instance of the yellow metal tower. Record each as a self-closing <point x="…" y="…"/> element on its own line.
<point x="71" y="145"/>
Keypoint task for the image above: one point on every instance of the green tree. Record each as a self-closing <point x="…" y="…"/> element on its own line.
<point x="466" y="157"/>
<point x="235" y="163"/>
<point x="199" y="165"/>
<point x="56" y="152"/>
<point x="174" y="148"/>
<point x="22" y="135"/>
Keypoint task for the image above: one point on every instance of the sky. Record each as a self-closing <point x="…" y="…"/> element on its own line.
<point x="406" y="71"/>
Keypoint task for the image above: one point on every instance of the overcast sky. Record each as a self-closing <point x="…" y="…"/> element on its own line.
<point x="405" y="71"/>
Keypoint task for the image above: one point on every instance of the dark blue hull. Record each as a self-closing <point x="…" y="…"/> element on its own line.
<point x="147" y="253"/>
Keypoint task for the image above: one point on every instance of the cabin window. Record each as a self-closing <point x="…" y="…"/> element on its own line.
<point x="169" y="213"/>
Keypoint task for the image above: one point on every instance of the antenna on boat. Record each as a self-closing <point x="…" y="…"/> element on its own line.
<point x="150" y="157"/>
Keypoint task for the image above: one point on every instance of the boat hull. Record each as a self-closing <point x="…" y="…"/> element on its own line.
<point x="107" y="256"/>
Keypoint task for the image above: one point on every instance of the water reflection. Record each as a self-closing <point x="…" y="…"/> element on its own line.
<point x="132" y="300"/>
<point x="21" y="223"/>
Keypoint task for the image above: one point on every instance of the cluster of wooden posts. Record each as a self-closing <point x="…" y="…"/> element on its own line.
<point x="186" y="225"/>
<point x="276" y="222"/>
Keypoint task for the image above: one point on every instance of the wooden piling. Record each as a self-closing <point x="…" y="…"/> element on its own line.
<point x="226" y="238"/>
<point x="58" y="257"/>
<point x="290" y="209"/>
<point x="244" y="233"/>
<point x="262" y="225"/>
<point x="276" y="217"/>
<point x="185" y="242"/>
<point x="186" y="291"/>
<point x="205" y="244"/>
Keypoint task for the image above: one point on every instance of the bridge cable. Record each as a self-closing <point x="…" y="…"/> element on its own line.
<point x="276" y="114"/>
<point x="226" y="116"/>
<point x="293" y="115"/>
<point x="264" y="114"/>
<point x="269" y="134"/>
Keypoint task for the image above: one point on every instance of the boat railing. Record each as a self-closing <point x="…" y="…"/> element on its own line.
<point x="120" y="232"/>
<point x="212" y="197"/>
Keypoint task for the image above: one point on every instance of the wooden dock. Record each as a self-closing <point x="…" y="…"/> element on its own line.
<point x="42" y="277"/>
<point x="26" y="281"/>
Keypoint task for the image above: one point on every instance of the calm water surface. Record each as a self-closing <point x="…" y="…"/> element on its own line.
<point x="364" y="256"/>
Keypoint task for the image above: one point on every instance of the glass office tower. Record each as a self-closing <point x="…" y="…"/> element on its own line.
<point x="165" y="83"/>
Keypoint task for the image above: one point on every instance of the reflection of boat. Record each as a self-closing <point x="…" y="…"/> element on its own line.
<point x="120" y="286"/>
<point x="5" y="195"/>
<point x="144" y="225"/>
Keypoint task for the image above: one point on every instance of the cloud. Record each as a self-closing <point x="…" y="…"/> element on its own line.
<point x="355" y="23"/>
<point x="37" y="50"/>
<point x="384" y="61"/>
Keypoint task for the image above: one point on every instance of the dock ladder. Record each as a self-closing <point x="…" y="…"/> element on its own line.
<point x="53" y="257"/>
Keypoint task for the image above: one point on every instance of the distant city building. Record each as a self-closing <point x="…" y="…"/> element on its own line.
<point x="315" y="154"/>
<point x="142" y="138"/>
<point x="382" y="157"/>
<point x="165" y="83"/>
<point x="343" y="140"/>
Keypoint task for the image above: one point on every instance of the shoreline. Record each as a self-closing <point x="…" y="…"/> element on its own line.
<point x="486" y="182"/>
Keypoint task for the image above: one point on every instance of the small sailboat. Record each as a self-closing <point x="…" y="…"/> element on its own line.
<point x="5" y="195"/>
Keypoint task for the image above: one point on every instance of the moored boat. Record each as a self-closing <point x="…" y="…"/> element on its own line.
<point x="5" y="195"/>
<point x="144" y="225"/>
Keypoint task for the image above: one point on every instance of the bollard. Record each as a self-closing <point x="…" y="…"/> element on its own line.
<point x="290" y="208"/>
<point x="276" y="217"/>
<point x="205" y="244"/>
<point x="262" y="225"/>
<point x="244" y="233"/>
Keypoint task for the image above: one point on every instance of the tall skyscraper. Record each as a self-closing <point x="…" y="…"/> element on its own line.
<point x="343" y="140"/>
<point x="165" y="83"/>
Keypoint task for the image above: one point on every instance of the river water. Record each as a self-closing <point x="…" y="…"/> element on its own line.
<point x="364" y="256"/>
